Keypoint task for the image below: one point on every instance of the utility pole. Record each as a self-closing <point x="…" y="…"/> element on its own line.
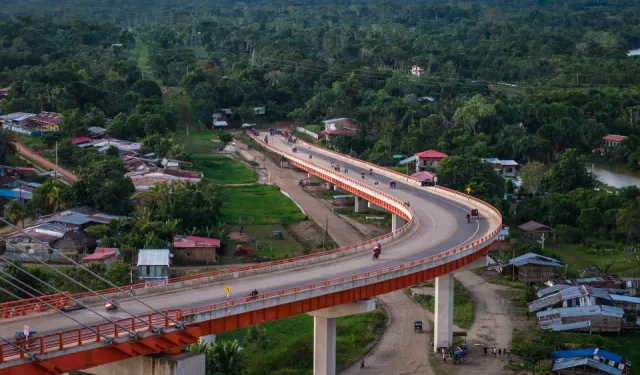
<point x="324" y="233"/>
<point x="56" y="171"/>
<point x="253" y="57"/>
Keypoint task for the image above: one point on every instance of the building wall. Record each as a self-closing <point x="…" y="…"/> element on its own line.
<point x="530" y="273"/>
<point x="199" y="255"/>
<point x="153" y="271"/>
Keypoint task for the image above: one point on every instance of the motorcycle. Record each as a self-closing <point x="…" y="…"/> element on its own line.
<point x="362" y="174"/>
<point x="376" y="255"/>
<point x="110" y="306"/>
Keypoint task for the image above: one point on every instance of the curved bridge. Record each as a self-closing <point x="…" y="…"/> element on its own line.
<point x="434" y="241"/>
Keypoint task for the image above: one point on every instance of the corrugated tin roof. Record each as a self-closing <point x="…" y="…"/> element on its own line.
<point x="616" y="297"/>
<point x="532" y="258"/>
<point x="533" y="226"/>
<point x="552" y="289"/>
<point x="559" y="327"/>
<point x="334" y="120"/>
<point x="581" y="291"/>
<point x="569" y="363"/>
<point x="153" y="257"/>
<point x="75" y="218"/>
<point x="565" y="312"/>
<point x="587" y="352"/>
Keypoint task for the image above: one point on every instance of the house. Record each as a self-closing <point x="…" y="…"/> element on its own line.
<point x="145" y="179"/>
<point x="19" y="119"/>
<point x="416" y="71"/>
<point x="136" y="163"/>
<point x="75" y="243"/>
<point x="4" y="92"/>
<point x="153" y="265"/>
<point x="505" y="168"/>
<point x="627" y="303"/>
<point x="191" y="249"/>
<point x="584" y="318"/>
<point x="589" y="361"/>
<point x="96" y="131"/>
<point x="428" y="159"/>
<point x="105" y="255"/>
<point x="46" y="121"/>
<point x="537" y="232"/>
<point x="612" y="140"/>
<point x="124" y="146"/>
<point x="220" y="124"/>
<point x="76" y="218"/>
<point x="77" y="141"/>
<point x="572" y="296"/>
<point x="425" y="178"/>
<point x="69" y="240"/>
<point x="338" y="126"/>
<point x="530" y="267"/>
<point x="174" y="164"/>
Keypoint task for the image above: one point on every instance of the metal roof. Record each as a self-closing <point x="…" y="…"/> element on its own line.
<point x="534" y="226"/>
<point x="581" y="291"/>
<point x="565" y="312"/>
<point x="587" y="352"/>
<point x="552" y="289"/>
<point x="616" y="297"/>
<point x="532" y="258"/>
<point x="334" y="120"/>
<point x="559" y="327"/>
<point x="574" y="362"/>
<point x="75" y="218"/>
<point x="153" y="257"/>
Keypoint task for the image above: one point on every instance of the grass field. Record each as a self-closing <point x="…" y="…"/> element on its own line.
<point x="315" y="128"/>
<point x="290" y="343"/>
<point x="267" y="245"/>
<point x="264" y="203"/>
<point x="463" y="312"/>
<point x="216" y="168"/>
<point x="34" y="143"/>
<point x="624" y="264"/>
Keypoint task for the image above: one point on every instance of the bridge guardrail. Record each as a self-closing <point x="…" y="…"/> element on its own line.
<point x="31" y="305"/>
<point x="76" y="337"/>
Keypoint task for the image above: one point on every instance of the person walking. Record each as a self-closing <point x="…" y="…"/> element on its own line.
<point x="485" y="351"/>
<point x="499" y="352"/>
<point x="495" y="351"/>
<point x="508" y="353"/>
<point x="362" y="364"/>
<point x="444" y="356"/>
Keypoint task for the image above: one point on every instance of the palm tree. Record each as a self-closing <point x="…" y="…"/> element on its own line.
<point x="222" y="358"/>
<point x="15" y="213"/>
<point x="7" y="144"/>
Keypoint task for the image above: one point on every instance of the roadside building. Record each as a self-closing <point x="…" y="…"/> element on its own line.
<point x="534" y="268"/>
<point x="589" y="361"/>
<point x="586" y="319"/>
<point x="505" y="168"/>
<point x="571" y="296"/>
<point x="75" y="243"/>
<point x="153" y="265"/>
<point x="105" y="255"/>
<point x="4" y="92"/>
<point x="536" y="232"/>
<point x="338" y="126"/>
<point x="195" y="250"/>
<point x="46" y="121"/>
<point x="18" y="119"/>
<point x="612" y="140"/>
<point x="77" y="141"/>
<point x="428" y="159"/>
<point x="425" y="178"/>
<point x="146" y="179"/>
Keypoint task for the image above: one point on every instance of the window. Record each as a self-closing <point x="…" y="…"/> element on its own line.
<point x="509" y="170"/>
<point x="147" y="270"/>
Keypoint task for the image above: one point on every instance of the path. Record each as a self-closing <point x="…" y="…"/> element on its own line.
<point x="400" y="351"/>
<point x="44" y="163"/>
<point x="492" y="325"/>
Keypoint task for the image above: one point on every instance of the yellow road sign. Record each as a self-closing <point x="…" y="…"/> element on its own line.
<point x="468" y="190"/>
<point x="227" y="289"/>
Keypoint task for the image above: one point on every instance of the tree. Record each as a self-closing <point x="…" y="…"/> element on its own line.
<point x="47" y="199"/>
<point x="73" y="123"/>
<point x="225" y="137"/>
<point x="628" y="221"/>
<point x="15" y="213"/>
<point x="569" y="173"/>
<point x="460" y="172"/>
<point x="103" y="185"/>
<point x="532" y="347"/>
<point x="222" y="358"/>
<point x="147" y="88"/>
<point x="472" y="112"/>
<point x="532" y="177"/>
<point x="7" y="144"/>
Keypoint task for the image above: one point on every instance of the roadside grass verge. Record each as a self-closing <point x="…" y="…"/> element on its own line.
<point x="289" y="345"/>
<point x="463" y="310"/>
<point x="267" y="245"/>
<point x="578" y="256"/>
<point x="224" y="170"/>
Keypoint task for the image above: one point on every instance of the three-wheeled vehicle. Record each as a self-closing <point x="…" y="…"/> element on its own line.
<point x="475" y="214"/>
<point x="392" y="184"/>
<point x="294" y="149"/>
<point x="417" y="326"/>
<point x="277" y="234"/>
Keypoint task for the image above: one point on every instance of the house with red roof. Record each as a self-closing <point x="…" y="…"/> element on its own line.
<point x="612" y="140"/>
<point x="107" y="255"/>
<point x="4" y="92"/>
<point x="428" y="159"/>
<point x="338" y="126"/>
<point x="80" y="141"/>
<point x="46" y="121"/>
<point x="195" y="250"/>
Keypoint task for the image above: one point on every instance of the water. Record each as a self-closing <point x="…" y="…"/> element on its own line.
<point x="614" y="179"/>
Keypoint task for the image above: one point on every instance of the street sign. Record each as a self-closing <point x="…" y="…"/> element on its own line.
<point x="227" y="289"/>
<point x="469" y="190"/>
<point x="435" y="179"/>
<point x="26" y="331"/>
<point x="398" y="156"/>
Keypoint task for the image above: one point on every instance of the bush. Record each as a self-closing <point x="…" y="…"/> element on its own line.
<point x="568" y="233"/>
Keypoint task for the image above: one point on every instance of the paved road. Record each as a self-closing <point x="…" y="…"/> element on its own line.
<point x="439" y="225"/>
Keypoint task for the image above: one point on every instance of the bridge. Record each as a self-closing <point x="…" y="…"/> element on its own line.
<point x="430" y="239"/>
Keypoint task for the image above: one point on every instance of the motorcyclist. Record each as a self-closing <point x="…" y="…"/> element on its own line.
<point x="468" y="218"/>
<point x="310" y="157"/>
<point x="254" y="293"/>
<point x="362" y="174"/>
<point x="376" y="251"/>
<point x="371" y="171"/>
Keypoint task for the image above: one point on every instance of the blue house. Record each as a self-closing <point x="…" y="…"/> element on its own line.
<point x="153" y="265"/>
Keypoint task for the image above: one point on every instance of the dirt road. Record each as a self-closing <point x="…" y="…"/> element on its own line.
<point x="44" y="163"/>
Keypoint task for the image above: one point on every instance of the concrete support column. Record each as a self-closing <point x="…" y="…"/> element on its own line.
<point x="185" y="363"/>
<point x="314" y="179"/>
<point x="329" y="185"/>
<point x="397" y="222"/>
<point x="339" y="189"/>
<point x="208" y="339"/>
<point x="360" y="205"/>
<point x="324" y="333"/>
<point x="374" y="206"/>
<point x="443" y="322"/>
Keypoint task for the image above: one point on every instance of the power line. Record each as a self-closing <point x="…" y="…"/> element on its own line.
<point x="178" y="324"/>
<point x="131" y="333"/>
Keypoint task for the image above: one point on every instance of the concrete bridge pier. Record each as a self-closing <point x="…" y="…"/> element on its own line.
<point x="360" y="205"/>
<point x="185" y="363"/>
<point x="339" y="189"/>
<point x="208" y="339"/>
<point x="443" y="320"/>
<point x="374" y="206"/>
<point x="397" y="222"/>
<point x="324" y="333"/>
<point x="314" y="179"/>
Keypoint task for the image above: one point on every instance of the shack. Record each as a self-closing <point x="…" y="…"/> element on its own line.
<point x="589" y="361"/>
<point x="585" y="319"/>
<point x="537" y="232"/>
<point x="534" y="268"/>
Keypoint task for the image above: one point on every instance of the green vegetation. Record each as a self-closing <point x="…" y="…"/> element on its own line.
<point x="463" y="312"/>
<point x="268" y="246"/>
<point x="287" y="345"/>
<point x="313" y="128"/>
<point x="263" y="204"/>
<point x="224" y="170"/>
<point x="606" y="255"/>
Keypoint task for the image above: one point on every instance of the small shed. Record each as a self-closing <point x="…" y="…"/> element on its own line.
<point x="535" y="268"/>
<point x="153" y="265"/>
<point x="195" y="250"/>
<point x="583" y="318"/>
<point x="107" y="255"/>
<point x="535" y="231"/>
<point x="425" y="178"/>
<point x="589" y="361"/>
